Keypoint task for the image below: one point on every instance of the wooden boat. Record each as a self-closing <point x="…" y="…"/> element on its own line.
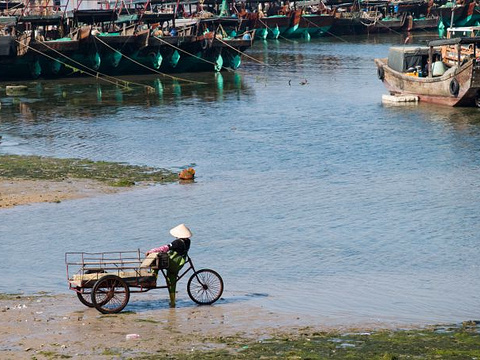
<point x="352" y="19"/>
<point x="453" y="71"/>
<point x="268" y="27"/>
<point x="453" y="14"/>
<point x="387" y="24"/>
<point x="32" y="49"/>
<point x="202" y="45"/>
<point x="422" y="23"/>
<point x="309" y="24"/>
<point x="268" y="19"/>
<point x="349" y="21"/>
<point x="381" y="16"/>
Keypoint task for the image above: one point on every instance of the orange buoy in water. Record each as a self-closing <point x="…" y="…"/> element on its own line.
<point x="187" y="174"/>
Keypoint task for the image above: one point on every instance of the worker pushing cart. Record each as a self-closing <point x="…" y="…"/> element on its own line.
<point x="105" y="280"/>
<point x="178" y="251"/>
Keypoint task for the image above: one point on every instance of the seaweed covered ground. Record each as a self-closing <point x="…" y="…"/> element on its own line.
<point x="32" y="179"/>
<point x="47" y="168"/>
<point x="60" y="327"/>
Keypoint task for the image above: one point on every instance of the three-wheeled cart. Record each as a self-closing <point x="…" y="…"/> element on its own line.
<point x="104" y="280"/>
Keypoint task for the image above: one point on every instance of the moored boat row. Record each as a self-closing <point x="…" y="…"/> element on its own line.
<point x="104" y="42"/>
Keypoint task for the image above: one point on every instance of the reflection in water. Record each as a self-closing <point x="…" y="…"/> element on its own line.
<point x="87" y="98"/>
<point x="158" y="88"/>
<point x="460" y="119"/>
<point x="219" y="78"/>
<point x="176" y="89"/>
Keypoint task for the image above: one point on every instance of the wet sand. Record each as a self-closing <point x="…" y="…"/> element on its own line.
<point x="61" y="326"/>
<point x="23" y="192"/>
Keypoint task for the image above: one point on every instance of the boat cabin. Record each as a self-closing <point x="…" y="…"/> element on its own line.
<point x="410" y="60"/>
<point x="439" y="57"/>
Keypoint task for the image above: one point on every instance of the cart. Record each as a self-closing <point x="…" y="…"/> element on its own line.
<point x="105" y="280"/>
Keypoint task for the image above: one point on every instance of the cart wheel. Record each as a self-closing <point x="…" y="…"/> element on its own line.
<point x="205" y="287"/>
<point x="85" y="296"/>
<point x="110" y="294"/>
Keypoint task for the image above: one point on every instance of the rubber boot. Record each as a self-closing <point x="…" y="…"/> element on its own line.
<point x="172" y="297"/>
<point x="172" y="287"/>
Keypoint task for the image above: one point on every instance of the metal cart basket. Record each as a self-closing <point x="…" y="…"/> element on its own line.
<point x="104" y="280"/>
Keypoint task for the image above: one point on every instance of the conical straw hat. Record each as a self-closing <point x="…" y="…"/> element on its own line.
<point x="181" y="232"/>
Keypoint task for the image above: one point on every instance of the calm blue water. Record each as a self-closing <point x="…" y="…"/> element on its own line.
<point x="309" y="199"/>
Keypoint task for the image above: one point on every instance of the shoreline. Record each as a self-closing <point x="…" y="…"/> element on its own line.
<point x="59" y="326"/>
<point x="29" y="179"/>
<point x="17" y="192"/>
<point x="40" y="324"/>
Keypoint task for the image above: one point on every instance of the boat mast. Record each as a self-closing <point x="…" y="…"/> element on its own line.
<point x="453" y="12"/>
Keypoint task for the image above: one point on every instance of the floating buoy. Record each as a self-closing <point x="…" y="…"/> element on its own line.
<point x="13" y="90"/>
<point x="399" y="99"/>
<point x="187" y="174"/>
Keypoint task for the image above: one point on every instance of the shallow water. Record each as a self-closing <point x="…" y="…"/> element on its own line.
<point x="312" y="199"/>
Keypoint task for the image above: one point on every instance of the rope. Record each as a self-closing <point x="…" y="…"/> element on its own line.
<point x="186" y="52"/>
<point x="269" y="28"/>
<point x="89" y="72"/>
<point x="248" y="56"/>
<point x="95" y="73"/>
<point x="328" y="32"/>
<point x="375" y="23"/>
<point x="146" y="67"/>
<point x="378" y="22"/>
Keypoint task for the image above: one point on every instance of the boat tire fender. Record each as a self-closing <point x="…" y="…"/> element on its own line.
<point x="381" y="73"/>
<point x="477" y="99"/>
<point x="454" y="87"/>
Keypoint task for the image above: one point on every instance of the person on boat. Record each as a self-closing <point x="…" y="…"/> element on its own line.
<point x="425" y="68"/>
<point x="177" y="251"/>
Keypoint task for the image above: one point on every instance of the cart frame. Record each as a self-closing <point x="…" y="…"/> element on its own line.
<point x="104" y="280"/>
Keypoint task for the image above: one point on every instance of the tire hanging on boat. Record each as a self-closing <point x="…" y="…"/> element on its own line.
<point x="454" y="87"/>
<point x="380" y="73"/>
<point x="477" y="99"/>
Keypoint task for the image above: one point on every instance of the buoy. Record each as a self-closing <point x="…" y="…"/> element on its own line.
<point x="400" y="99"/>
<point x="187" y="174"/>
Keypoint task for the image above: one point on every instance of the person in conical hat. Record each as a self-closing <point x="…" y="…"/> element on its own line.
<point x="178" y="250"/>
<point x="180" y="245"/>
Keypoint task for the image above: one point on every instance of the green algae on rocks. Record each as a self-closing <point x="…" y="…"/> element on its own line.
<point x="436" y="342"/>
<point x="31" y="167"/>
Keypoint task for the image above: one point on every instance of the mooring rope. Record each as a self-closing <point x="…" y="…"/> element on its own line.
<point x="95" y="73"/>
<point x="146" y="67"/>
<point x="242" y="53"/>
<point x="190" y="54"/>
<point x="328" y="32"/>
<point x="269" y="28"/>
<point x="89" y="72"/>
